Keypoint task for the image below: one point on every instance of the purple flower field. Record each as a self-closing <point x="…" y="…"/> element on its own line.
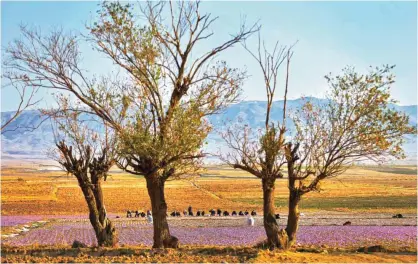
<point x="139" y="233"/>
<point x="13" y="220"/>
<point x="19" y="220"/>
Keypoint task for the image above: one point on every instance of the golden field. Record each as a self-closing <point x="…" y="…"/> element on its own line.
<point x="30" y="190"/>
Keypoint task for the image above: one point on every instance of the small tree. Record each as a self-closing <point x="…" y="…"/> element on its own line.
<point x="357" y="123"/>
<point x="262" y="154"/>
<point x="84" y="151"/>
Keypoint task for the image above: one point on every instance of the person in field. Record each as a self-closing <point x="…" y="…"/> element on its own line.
<point x="250" y="221"/>
<point x="219" y="211"/>
<point x="149" y="218"/>
<point x="128" y="214"/>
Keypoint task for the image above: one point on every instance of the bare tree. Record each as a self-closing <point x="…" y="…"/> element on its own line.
<point x="159" y="111"/>
<point x="262" y="154"/>
<point x="357" y="123"/>
<point x="88" y="153"/>
<point x="26" y="95"/>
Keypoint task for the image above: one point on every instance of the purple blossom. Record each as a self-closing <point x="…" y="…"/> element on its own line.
<point x="138" y="232"/>
<point x="12" y="220"/>
<point x="19" y="220"/>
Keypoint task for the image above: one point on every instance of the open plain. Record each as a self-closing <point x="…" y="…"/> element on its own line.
<point x="43" y="211"/>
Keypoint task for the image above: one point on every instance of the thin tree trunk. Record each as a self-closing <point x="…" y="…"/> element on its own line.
<point x="293" y="218"/>
<point x="294" y="196"/>
<point x="103" y="228"/>
<point x="162" y="236"/>
<point x="276" y="238"/>
<point x="106" y="233"/>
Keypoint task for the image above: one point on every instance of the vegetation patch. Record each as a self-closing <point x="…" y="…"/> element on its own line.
<point x="328" y="203"/>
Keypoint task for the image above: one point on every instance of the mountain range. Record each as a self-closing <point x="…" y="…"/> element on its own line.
<point x="18" y="140"/>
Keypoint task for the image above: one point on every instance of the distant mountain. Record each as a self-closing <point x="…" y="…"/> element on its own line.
<point x="20" y="141"/>
<point x="21" y="137"/>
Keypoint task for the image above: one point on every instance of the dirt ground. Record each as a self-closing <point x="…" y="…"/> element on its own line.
<point x="196" y="255"/>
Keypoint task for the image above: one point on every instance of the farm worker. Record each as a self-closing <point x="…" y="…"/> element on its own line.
<point x="190" y="210"/>
<point x="250" y="221"/>
<point x="149" y="219"/>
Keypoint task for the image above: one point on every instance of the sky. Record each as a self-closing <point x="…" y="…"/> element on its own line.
<point x="329" y="35"/>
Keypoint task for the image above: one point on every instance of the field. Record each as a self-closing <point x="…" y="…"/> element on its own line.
<point x="43" y="211"/>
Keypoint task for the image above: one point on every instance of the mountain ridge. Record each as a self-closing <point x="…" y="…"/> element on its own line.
<point x="37" y="142"/>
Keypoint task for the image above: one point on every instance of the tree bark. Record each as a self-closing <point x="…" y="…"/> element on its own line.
<point x="103" y="228"/>
<point x="105" y="232"/>
<point x="276" y="238"/>
<point x="293" y="218"/>
<point x="162" y="236"/>
<point x="295" y="195"/>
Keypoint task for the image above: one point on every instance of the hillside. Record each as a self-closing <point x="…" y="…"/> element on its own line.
<point x="19" y="141"/>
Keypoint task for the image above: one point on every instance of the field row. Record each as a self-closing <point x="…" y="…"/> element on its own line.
<point x="216" y="221"/>
<point x="138" y="233"/>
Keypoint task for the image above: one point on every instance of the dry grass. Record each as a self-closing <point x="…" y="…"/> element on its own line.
<point x="358" y="190"/>
<point x="193" y="255"/>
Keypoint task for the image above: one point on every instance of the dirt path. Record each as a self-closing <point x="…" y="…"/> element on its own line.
<point x="205" y="190"/>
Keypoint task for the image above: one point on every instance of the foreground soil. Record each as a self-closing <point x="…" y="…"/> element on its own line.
<point x="196" y="255"/>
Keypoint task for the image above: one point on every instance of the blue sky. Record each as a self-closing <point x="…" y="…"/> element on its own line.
<point x="330" y="36"/>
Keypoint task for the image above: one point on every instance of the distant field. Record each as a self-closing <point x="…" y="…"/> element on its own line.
<point x="404" y="203"/>
<point x="407" y="170"/>
<point x="30" y="190"/>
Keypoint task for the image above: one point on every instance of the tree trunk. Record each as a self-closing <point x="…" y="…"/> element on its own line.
<point x="276" y="238"/>
<point x="105" y="231"/>
<point x="162" y="237"/>
<point x="293" y="218"/>
<point x="294" y="194"/>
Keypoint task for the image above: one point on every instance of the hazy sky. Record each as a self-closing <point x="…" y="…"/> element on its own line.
<point x="330" y="36"/>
